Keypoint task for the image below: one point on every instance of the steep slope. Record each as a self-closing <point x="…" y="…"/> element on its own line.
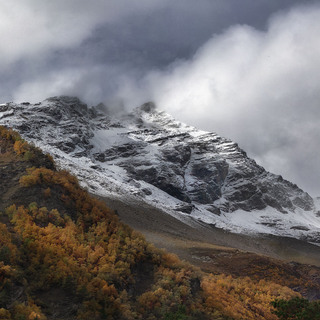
<point x="65" y="255"/>
<point x="146" y="156"/>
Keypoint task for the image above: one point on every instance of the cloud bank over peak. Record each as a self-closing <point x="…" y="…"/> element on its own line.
<point x="261" y="88"/>
<point x="249" y="72"/>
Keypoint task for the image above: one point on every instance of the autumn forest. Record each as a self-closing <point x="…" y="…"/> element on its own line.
<point x="65" y="255"/>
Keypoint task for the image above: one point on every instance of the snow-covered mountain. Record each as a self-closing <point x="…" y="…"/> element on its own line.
<point x="146" y="156"/>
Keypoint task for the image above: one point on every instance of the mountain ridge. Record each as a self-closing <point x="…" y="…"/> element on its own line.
<point x="147" y="156"/>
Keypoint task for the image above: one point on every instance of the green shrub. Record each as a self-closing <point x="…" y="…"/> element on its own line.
<point x="297" y="309"/>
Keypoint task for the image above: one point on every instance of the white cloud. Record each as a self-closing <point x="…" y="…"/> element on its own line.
<point x="262" y="89"/>
<point x="89" y="85"/>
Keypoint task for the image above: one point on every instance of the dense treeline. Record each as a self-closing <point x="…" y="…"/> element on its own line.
<point x="75" y="248"/>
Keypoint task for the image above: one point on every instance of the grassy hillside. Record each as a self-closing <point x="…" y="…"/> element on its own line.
<point x="65" y="255"/>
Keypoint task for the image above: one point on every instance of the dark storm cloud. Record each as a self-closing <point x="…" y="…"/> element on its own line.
<point x="247" y="69"/>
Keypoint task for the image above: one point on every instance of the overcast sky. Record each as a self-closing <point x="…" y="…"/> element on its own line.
<point x="246" y="69"/>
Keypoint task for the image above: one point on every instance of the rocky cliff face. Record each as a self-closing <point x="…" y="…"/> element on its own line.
<point x="147" y="156"/>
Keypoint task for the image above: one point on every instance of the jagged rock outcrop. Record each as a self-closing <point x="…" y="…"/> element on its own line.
<point x="148" y="155"/>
